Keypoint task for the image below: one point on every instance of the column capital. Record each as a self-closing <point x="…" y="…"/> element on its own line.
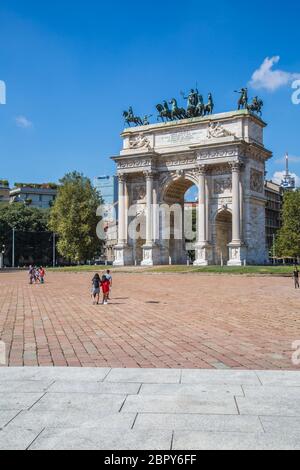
<point x="201" y="170"/>
<point x="122" y="177"/>
<point x="236" y="166"/>
<point x="149" y="174"/>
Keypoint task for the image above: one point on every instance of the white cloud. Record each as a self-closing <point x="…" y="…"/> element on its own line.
<point x="279" y="175"/>
<point x="23" y="122"/>
<point x="269" y="79"/>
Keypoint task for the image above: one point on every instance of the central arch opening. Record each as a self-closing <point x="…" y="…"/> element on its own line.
<point x="181" y="193"/>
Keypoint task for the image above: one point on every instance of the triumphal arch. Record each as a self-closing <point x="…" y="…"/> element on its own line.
<point x="224" y="156"/>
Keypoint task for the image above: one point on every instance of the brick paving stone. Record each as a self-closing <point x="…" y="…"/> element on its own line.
<point x="234" y="322"/>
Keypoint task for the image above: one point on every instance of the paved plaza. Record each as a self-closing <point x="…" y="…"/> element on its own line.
<point x="153" y="321"/>
<point x="148" y="409"/>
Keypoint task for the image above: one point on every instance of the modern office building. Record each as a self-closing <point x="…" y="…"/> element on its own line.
<point x="288" y="182"/>
<point x="274" y="200"/>
<point x="40" y="196"/>
<point x="108" y="188"/>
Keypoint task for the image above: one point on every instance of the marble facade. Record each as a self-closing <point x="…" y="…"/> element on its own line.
<point x="224" y="156"/>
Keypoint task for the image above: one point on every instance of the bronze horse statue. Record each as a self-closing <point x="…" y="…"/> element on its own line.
<point x="130" y="118"/>
<point x="209" y="107"/>
<point x="256" y="106"/>
<point x="164" y="112"/>
<point x="243" y="101"/>
<point x="200" y="108"/>
<point x="176" y="112"/>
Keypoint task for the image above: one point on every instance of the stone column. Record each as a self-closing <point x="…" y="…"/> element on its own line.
<point x="121" y="210"/>
<point x="237" y="250"/>
<point x="149" y="208"/>
<point x="202" y="206"/>
<point x="236" y="206"/>
<point x="150" y="250"/>
<point x="202" y="247"/>
<point x="123" y="253"/>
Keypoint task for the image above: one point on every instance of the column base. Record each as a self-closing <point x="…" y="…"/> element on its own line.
<point x="151" y="255"/>
<point x="203" y="254"/>
<point x="123" y="255"/>
<point x="237" y="254"/>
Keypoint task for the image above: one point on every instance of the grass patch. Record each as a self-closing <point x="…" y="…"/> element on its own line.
<point x="249" y="270"/>
<point x="254" y="270"/>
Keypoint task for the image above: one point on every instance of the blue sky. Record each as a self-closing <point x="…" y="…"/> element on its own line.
<point x="71" y="68"/>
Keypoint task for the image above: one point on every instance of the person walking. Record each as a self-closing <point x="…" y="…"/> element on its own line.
<point x="105" y="284"/>
<point x="31" y="274"/>
<point x="109" y="278"/>
<point x="296" y="277"/>
<point x="42" y="274"/>
<point x="96" y="282"/>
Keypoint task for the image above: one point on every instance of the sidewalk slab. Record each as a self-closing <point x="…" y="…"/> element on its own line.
<point x="148" y="409"/>
<point x="281" y="424"/>
<point x="90" y="374"/>
<point x="17" y="439"/>
<point x="198" y="422"/>
<point x="18" y="401"/>
<point x="268" y="391"/>
<point x="86" y="401"/>
<point x="272" y="406"/>
<point x="68" y="386"/>
<point x="73" y="418"/>
<point x="6" y="417"/>
<point x="220" y="377"/>
<point x="280" y="378"/>
<point x="179" y="404"/>
<point x="154" y="376"/>
<point x="202" y="390"/>
<point x="102" y="439"/>
<point x="24" y="386"/>
<point x="185" y="440"/>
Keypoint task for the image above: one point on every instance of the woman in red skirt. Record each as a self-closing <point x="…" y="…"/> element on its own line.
<point x="105" y="284"/>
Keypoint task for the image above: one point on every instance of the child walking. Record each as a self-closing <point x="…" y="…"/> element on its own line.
<point x="42" y="274"/>
<point x="109" y="278"/>
<point x="105" y="284"/>
<point x="96" y="282"/>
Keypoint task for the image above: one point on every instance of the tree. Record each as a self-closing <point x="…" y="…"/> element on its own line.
<point x="32" y="241"/>
<point x="288" y="239"/>
<point x="73" y="217"/>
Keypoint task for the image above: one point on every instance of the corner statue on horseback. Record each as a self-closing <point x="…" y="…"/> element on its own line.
<point x="131" y="118"/>
<point x="243" y="101"/>
<point x="256" y="106"/>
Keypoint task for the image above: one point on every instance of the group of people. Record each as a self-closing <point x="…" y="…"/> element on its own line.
<point x="105" y="284"/>
<point x="36" y="275"/>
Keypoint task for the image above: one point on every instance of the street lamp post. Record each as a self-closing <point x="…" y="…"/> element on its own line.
<point x="54" y="251"/>
<point x="2" y="257"/>
<point x="13" y="247"/>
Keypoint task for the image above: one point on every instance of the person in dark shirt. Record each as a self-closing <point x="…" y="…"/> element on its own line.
<point x="96" y="282"/>
<point x="296" y="277"/>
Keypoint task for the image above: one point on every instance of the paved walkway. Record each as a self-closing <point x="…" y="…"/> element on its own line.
<point x="148" y="409"/>
<point x="153" y="321"/>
